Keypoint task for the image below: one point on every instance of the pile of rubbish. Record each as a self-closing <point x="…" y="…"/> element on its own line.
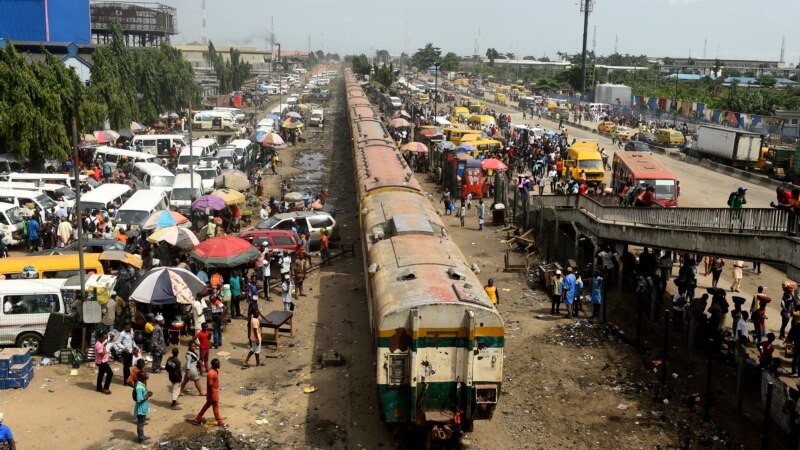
<point x="581" y="333"/>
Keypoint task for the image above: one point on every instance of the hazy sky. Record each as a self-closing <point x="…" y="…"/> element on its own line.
<point x="733" y="28"/>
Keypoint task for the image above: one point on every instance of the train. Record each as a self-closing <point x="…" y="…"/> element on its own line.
<point x="437" y="337"/>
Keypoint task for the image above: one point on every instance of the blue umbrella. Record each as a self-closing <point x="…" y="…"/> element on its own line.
<point x="463" y="148"/>
<point x="272" y="116"/>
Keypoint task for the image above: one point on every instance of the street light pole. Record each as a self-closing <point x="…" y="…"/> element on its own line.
<point x="435" y="91"/>
<point x="280" y="86"/>
<point x="76" y="172"/>
<point x="675" y="117"/>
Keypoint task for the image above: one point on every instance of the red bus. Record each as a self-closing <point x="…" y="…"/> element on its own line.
<point x="643" y="168"/>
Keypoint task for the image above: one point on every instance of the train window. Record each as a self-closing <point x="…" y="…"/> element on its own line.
<point x="398" y="369"/>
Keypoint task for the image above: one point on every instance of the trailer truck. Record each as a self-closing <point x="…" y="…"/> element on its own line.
<point x="730" y="146"/>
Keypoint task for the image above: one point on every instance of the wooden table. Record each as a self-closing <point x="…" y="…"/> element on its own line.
<point x="279" y="322"/>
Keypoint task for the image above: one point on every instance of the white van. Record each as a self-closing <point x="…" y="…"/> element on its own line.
<point x="291" y="102"/>
<point x="187" y="186"/>
<point x="23" y="198"/>
<point x="27" y="305"/>
<point x="268" y="125"/>
<point x="237" y="113"/>
<point x="57" y="192"/>
<point x="11" y="224"/>
<point x="214" y="120"/>
<point x="208" y="145"/>
<point x="107" y="197"/>
<point x="189" y="157"/>
<point x="141" y="204"/>
<point x="208" y="174"/>
<point x="113" y="155"/>
<point x="317" y="118"/>
<point x="54" y="178"/>
<point x="157" y="144"/>
<point x="280" y="110"/>
<point x="152" y="176"/>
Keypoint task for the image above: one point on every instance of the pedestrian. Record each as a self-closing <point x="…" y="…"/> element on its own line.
<point x="556" y="291"/>
<point x="142" y="406"/>
<point x="491" y="291"/>
<point x="741" y="331"/>
<point x="236" y="293"/>
<point x="125" y="345"/>
<point x="101" y="356"/>
<point x="765" y="351"/>
<point x="794" y="340"/>
<point x="325" y="247"/>
<point x="254" y="337"/>
<point x="597" y="295"/>
<point x="462" y="214"/>
<point x="252" y="294"/>
<point x="286" y="293"/>
<point x="716" y="270"/>
<point x="735" y="202"/>
<point x="6" y="437"/>
<point x="787" y="310"/>
<point x="469" y="201"/>
<point x="299" y="275"/>
<point x="577" y="304"/>
<point x="198" y="312"/>
<point x="570" y="287"/>
<point x="64" y="232"/>
<point x="737" y="275"/>
<point x="217" y="308"/>
<point x="173" y="369"/>
<point x="204" y="342"/>
<point x="540" y="181"/>
<point x="446" y="201"/>
<point x="191" y="371"/>
<point x="266" y="270"/>
<point x="138" y="366"/>
<point x="212" y="396"/>
<point x="158" y="346"/>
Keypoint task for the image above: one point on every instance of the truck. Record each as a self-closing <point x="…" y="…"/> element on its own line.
<point x="731" y="146"/>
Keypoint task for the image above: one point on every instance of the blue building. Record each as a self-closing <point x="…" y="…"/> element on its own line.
<point x="45" y="21"/>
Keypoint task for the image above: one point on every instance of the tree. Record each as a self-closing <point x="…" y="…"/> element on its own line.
<point x="491" y="55"/>
<point x="231" y="73"/>
<point x="320" y="55"/>
<point x="668" y="61"/>
<point x="361" y="65"/>
<point x="717" y="66"/>
<point x="690" y="62"/>
<point x="382" y="56"/>
<point x="450" y="62"/>
<point x="510" y="56"/>
<point x="766" y="81"/>
<point x="426" y="56"/>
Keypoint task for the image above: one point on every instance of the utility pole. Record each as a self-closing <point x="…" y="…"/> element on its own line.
<point x="586" y="8"/>
<point x="76" y="172"/>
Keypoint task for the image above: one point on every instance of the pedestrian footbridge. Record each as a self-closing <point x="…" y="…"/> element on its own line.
<point x="749" y="234"/>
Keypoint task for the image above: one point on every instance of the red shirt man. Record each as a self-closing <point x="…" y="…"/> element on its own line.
<point x="204" y="339"/>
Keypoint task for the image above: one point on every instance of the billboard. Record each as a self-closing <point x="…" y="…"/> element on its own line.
<point x="45" y="20"/>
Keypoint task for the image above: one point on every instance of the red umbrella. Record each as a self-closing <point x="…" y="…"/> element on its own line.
<point x="416" y="147"/>
<point x="224" y="251"/>
<point x="494" y="164"/>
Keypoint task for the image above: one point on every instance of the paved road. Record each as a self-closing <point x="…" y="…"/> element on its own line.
<point x="700" y="187"/>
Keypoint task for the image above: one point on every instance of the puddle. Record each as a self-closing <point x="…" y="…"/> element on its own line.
<point x="314" y="167"/>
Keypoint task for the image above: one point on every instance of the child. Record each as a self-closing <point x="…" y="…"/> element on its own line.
<point x="252" y="293"/>
<point x="480" y="223"/>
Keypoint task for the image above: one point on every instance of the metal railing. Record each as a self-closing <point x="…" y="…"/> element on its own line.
<point x="724" y="220"/>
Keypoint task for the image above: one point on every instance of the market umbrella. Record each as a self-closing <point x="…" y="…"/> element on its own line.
<point x="494" y="164"/>
<point x="296" y="115"/>
<point x="258" y="135"/>
<point x="293" y="197"/>
<point x="119" y="255"/>
<point x="291" y="123"/>
<point x="446" y="145"/>
<point x="101" y="137"/>
<point x="125" y="133"/>
<point x="399" y="123"/>
<point x="416" y="147"/>
<point x="224" y="251"/>
<point x="173" y="115"/>
<point x="136" y="126"/>
<point x="166" y="286"/>
<point x="208" y="201"/>
<point x="182" y="238"/>
<point x="234" y="179"/>
<point x="271" y="139"/>
<point x="429" y="132"/>
<point x="400" y="114"/>
<point x="163" y="219"/>
<point x="112" y="135"/>
<point x="465" y="148"/>
<point x="231" y="196"/>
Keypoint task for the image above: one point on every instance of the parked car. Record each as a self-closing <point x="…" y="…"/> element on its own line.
<point x="277" y="239"/>
<point x="308" y="222"/>
<point x="623" y="133"/>
<point x="648" y="138"/>
<point x="637" y="146"/>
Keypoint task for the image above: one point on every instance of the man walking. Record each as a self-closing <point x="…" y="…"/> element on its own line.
<point x="158" y="346"/>
<point x="212" y="395"/>
<point x="142" y="406"/>
<point x="481" y="211"/>
<point x="254" y="336"/>
<point x="570" y="289"/>
<point x="597" y="295"/>
<point x="735" y="202"/>
<point x="125" y="345"/>
<point x="204" y="340"/>
<point x="286" y="293"/>
<point x="104" y="372"/>
<point x="557" y="288"/>
<point x="173" y="368"/>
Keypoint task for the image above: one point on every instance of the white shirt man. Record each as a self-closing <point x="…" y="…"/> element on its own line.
<point x="741" y="328"/>
<point x="286" y="264"/>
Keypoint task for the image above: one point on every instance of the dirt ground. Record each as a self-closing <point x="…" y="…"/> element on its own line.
<point x="568" y="384"/>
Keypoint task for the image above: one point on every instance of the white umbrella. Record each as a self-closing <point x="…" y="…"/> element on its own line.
<point x="167" y="285"/>
<point x="294" y="114"/>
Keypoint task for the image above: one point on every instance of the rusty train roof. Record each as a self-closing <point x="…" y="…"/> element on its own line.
<point x="379" y="165"/>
